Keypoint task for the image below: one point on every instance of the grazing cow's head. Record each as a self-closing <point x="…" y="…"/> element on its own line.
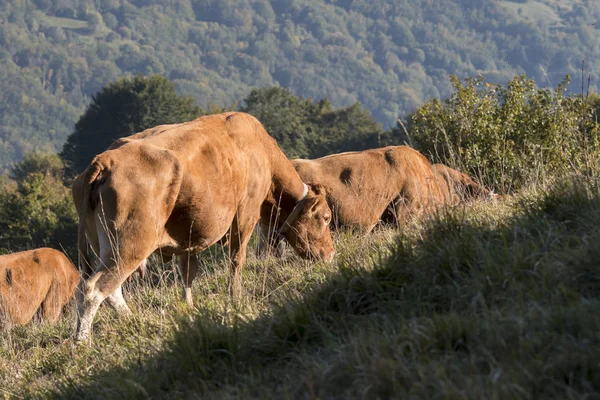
<point x="307" y="227"/>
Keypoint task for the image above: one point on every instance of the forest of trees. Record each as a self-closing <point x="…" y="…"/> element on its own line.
<point x="390" y="57"/>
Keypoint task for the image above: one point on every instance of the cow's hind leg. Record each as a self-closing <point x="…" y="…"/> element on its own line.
<point x="105" y="282"/>
<point x="52" y="304"/>
<point x="88" y="301"/>
<point x="188" y="264"/>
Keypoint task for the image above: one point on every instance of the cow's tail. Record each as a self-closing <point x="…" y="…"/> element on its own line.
<point x="89" y="176"/>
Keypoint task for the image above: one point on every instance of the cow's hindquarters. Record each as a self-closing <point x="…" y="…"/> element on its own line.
<point x="130" y="208"/>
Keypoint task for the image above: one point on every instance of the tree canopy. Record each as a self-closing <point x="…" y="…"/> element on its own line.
<point x="510" y="136"/>
<point x="390" y="56"/>
<point x="121" y="108"/>
<point x="305" y="128"/>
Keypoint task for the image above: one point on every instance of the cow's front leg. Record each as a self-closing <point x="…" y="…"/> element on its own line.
<point x="268" y="244"/>
<point x="116" y="301"/>
<point x="241" y="230"/>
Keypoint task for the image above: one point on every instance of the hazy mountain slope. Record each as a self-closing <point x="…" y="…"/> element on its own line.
<point x="390" y="56"/>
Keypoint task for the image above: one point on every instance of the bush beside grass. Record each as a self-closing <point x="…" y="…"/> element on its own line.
<point x="510" y="137"/>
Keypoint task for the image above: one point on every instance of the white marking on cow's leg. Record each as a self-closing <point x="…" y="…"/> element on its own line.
<point x="107" y="256"/>
<point x="187" y="296"/>
<point x="116" y="301"/>
<point x="188" y="264"/>
<point x="105" y="280"/>
<point x="89" y="299"/>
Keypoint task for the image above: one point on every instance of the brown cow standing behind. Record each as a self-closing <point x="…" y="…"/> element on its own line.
<point x="388" y="183"/>
<point x="41" y="279"/>
<point x="361" y="185"/>
<point x="181" y="188"/>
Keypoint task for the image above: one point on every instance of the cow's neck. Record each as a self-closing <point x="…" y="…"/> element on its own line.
<point x="286" y="194"/>
<point x="286" y="180"/>
<point x="291" y="192"/>
<point x="286" y="191"/>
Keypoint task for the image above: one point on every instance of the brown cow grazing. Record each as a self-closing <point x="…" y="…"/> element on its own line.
<point x="389" y="183"/>
<point x="361" y="185"/>
<point x="41" y="279"/>
<point x="181" y="188"/>
<point x="457" y="187"/>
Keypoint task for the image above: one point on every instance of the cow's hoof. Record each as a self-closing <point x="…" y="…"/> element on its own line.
<point x="124" y="312"/>
<point x="79" y="341"/>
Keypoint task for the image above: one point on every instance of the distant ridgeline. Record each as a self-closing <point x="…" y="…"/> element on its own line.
<point x="388" y="56"/>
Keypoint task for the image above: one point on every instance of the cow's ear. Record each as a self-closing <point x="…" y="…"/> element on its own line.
<point x="317" y="189"/>
<point x="316" y="206"/>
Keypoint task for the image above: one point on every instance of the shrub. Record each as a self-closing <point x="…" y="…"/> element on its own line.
<point x="36" y="208"/>
<point x="508" y="136"/>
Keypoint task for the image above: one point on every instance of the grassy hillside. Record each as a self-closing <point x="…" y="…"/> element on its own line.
<point x="494" y="300"/>
<point x="389" y="56"/>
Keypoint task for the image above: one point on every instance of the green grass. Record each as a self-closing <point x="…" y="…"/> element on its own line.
<point x="65" y="23"/>
<point x="495" y="300"/>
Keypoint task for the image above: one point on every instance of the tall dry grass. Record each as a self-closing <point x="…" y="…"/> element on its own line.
<point x="489" y="300"/>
